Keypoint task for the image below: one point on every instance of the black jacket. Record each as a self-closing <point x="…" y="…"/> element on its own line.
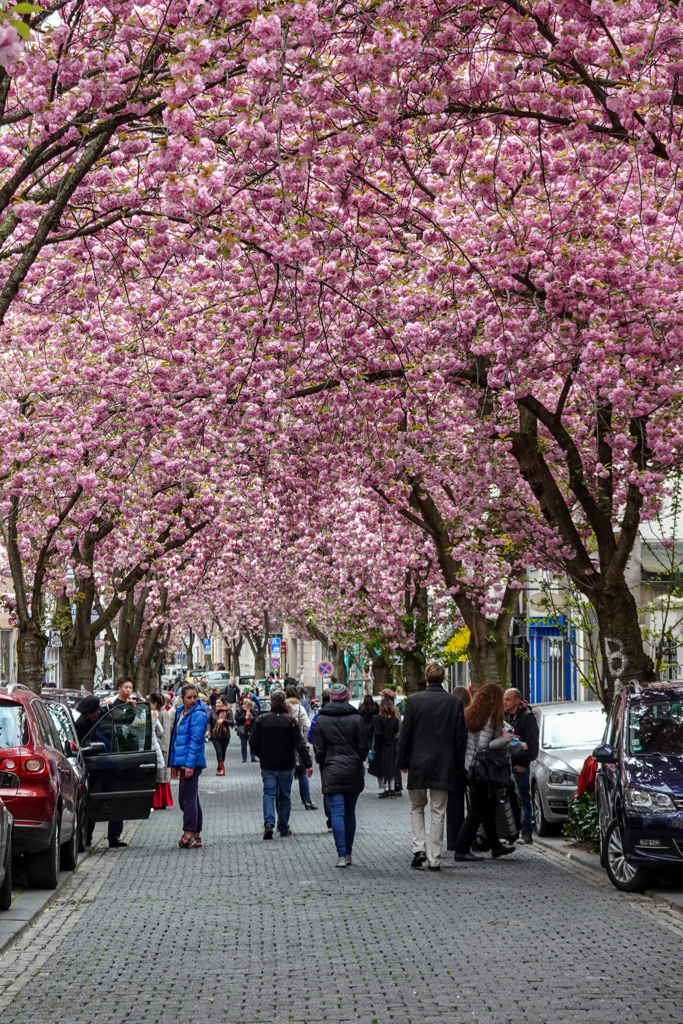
<point x="340" y="745"/>
<point x="525" y="726"/>
<point x="385" y="731"/>
<point x="232" y="693"/>
<point x="275" y="737"/>
<point x="214" y="724"/>
<point x="368" y="717"/>
<point x="433" y="739"/>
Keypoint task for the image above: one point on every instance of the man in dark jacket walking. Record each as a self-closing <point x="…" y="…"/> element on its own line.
<point x="276" y="739"/>
<point x="524" y="724"/>
<point x="431" y="748"/>
<point x="340" y="745"/>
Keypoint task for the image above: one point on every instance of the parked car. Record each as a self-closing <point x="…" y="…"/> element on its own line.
<point x="567" y="734"/>
<point x="53" y="786"/>
<point x="639" y="785"/>
<point x="6" y="824"/>
<point x="218" y="678"/>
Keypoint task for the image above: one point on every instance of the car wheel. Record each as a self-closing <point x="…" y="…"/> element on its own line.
<point x="622" y="874"/>
<point x="541" y="823"/>
<point x="6" y="887"/>
<point x="69" y="851"/>
<point x="42" y="869"/>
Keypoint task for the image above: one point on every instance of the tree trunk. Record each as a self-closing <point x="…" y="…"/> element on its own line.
<point x="122" y="660"/>
<point x="260" y="663"/>
<point x="106" y="660"/>
<point x="339" y="663"/>
<point x="413" y="673"/>
<point x="488" y="652"/>
<point x="381" y="672"/>
<point x="190" y="652"/>
<point x="79" y="660"/>
<point x="143" y="670"/>
<point x="621" y="643"/>
<point x="235" y="656"/>
<point x="30" y="656"/>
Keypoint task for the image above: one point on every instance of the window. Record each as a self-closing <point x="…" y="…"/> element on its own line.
<point x="573" y="729"/>
<point x="49" y="734"/>
<point x="13" y="730"/>
<point x="656" y="728"/>
<point x="123" y="730"/>
<point x="60" y="721"/>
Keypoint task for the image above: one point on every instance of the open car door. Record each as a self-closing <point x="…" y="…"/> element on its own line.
<point x="122" y="778"/>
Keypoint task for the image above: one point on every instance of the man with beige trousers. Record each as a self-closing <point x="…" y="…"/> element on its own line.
<point x="431" y="748"/>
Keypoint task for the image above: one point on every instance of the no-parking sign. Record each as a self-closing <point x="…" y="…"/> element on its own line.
<point x="275" y="662"/>
<point x="325" y="668"/>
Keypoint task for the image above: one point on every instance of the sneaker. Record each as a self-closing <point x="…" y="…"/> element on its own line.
<point x="349" y="860"/>
<point x="311" y="807"/>
<point x="526" y="838"/>
<point x="341" y="862"/>
<point x="194" y="844"/>
<point x="433" y="867"/>
<point x="283" y="835"/>
<point x="268" y="831"/>
<point x="183" y="843"/>
<point x="419" y="859"/>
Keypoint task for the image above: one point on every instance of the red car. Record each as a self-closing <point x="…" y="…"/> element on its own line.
<point x="52" y="786"/>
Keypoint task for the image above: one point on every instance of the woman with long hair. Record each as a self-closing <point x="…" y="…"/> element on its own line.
<point x="484" y="720"/>
<point x="385" y="727"/>
<point x="464" y="694"/>
<point x="218" y="731"/>
<point x="245" y="716"/>
<point x="298" y="713"/>
<point x="367" y="711"/>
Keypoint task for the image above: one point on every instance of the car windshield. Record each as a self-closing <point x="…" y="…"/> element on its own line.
<point x="13" y="732"/>
<point x="573" y="729"/>
<point x="656" y="728"/>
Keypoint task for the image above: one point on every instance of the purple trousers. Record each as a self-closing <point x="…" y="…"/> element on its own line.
<point x="188" y="798"/>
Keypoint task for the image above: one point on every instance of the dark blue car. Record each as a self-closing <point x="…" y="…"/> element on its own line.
<point x="639" y="786"/>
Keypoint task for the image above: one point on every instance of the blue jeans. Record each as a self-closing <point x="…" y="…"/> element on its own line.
<point x="524" y="794"/>
<point x="343" y="816"/>
<point x="304" y="789"/>
<point x="277" y="789"/>
<point x="244" y="740"/>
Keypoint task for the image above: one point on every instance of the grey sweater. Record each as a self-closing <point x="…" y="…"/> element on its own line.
<point x="488" y="737"/>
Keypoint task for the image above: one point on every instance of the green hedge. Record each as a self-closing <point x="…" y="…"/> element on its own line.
<point x="582" y="821"/>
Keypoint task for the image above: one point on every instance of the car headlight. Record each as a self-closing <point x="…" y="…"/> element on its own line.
<point x="646" y="800"/>
<point x="562" y="778"/>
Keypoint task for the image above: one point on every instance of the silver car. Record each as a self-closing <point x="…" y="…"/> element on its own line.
<point x="568" y="733"/>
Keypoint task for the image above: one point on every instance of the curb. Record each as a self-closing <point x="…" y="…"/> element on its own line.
<point x="674" y="901"/>
<point x="8" y="935"/>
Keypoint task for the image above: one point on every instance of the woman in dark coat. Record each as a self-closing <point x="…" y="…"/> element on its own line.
<point x="368" y="711"/>
<point x="218" y="731"/>
<point x="245" y="716"/>
<point x="385" y="727"/>
<point x="340" y="746"/>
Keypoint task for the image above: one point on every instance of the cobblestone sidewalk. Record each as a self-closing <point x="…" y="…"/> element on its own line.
<point x="247" y="932"/>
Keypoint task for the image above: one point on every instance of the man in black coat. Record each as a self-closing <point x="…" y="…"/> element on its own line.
<point x="340" y="745"/>
<point x="275" y="739"/>
<point x="431" y="748"/>
<point x="524" y="724"/>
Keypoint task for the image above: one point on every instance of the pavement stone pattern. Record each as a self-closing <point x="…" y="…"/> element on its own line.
<point x="252" y="932"/>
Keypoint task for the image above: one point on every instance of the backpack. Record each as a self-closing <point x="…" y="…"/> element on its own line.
<point x="491" y="769"/>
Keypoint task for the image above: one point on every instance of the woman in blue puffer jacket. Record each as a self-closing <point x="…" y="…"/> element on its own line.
<point x="186" y="760"/>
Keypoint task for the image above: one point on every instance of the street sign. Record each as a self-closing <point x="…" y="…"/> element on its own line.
<point x="275" y="648"/>
<point x="55" y="640"/>
<point x="325" y="668"/>
<point x="207" y="646"/>
<point x="275" y="662"/>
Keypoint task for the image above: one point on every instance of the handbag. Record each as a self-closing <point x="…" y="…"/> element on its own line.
<point x="490" y="769"/>
<point x="371" y="751"/>
<point x="241" y="730"/>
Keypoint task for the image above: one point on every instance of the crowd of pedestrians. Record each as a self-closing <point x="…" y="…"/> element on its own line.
<point x="461" y="757"/>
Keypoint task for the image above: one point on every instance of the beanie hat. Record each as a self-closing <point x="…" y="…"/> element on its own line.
<point x="339" y="692"/>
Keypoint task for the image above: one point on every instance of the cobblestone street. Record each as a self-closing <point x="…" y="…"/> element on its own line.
<point x="245" y="931"/>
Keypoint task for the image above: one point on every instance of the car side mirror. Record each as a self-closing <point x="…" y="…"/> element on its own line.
<point x="93" y="749"/>
<point x="605" y="754"/>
